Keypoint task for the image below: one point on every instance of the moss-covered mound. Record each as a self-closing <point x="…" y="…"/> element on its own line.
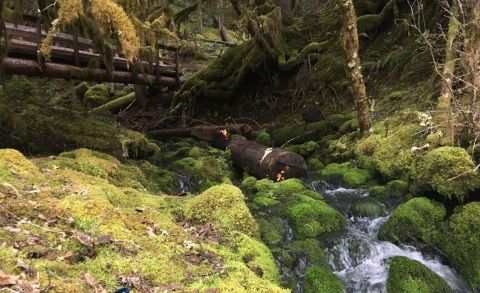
<point x="393" y="189"/>
<point x="417" y="221"/>
<point x="62" y="226"/>
<point x="407" y="276"/>
<point x="263" y="138"/>
<point x="462" y="245"/>
<point x="301" y="133"/>
<point x="321" y="280"/>
<point x="304" y="149"/>
<point x="224" y="206"/>
<point x="350" y="176"/>
<point x="38" y="122"/>
<point x="449" y="171"/>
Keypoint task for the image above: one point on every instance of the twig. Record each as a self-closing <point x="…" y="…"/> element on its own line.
<point x="129" y="242"/>
<point x="464" y="173"/>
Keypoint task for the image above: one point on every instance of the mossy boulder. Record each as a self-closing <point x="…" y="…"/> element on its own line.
<point x="309" y="248"/>
<point x="367" y="207"/>
<point x="462" y="245"/>
<point x="349" y="126"/>
<point x="393" y="189"/>
<point x="364" y="151"/>
<point x="393" y="156"/>
<point x="312" y="218"/>
<point x="263" y="138"/>
<point x="350" y="176"/>
<point x="304" y="149"/>
<point x="415" y="222"/>
<point x="272" y="230"/>
<point x="96" y="96"/>
<point x="337" y="120"/>
<point x="448" y="171"/>
<point x="321" y="280"/>
<point x="407" y="276"/>
<point x="224" y="206"/>
<point x="315" y="165"/>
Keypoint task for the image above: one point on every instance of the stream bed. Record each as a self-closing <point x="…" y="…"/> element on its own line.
<point x="359" y="258"/>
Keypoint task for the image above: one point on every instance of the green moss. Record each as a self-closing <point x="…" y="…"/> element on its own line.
<point x="321" y="280"/>
<point x="301" y="133"/>
<point x="263" y="138"/>
<point x="272" y="230"/>
<point x="337" y="120"/>
<point x="407" y="275"/>
<point x="207" y="169"/>
<point x="304" y="149"/>
<point x="416" y="221"/>
<point x="351" y="177"/>
<point x="364" y="151"/>
<point x="396" y="188"/>
<point x="314" y="164"/>
<point x="448" y="171"/>
<point x="224" y="206"/>
<point x="349" y="126"/>
<point x="97" y="95"/>
<point x="367" y="207"/>
<point x="313" y="218"/>
<point x="462" y="245"/>
<point x="309" y="248"/>
<point x="289" y="186"/>
<point x="378" y="191"/>
<point x="14" y="165"/>
<point x="393" y="157"/>
<point x="248" y="184"/>
<point x="80" y="90"/>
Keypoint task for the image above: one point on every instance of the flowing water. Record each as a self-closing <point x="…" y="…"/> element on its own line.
<point x="359" y="258"/>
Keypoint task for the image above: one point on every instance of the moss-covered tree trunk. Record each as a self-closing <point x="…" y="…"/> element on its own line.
<point x="351" y="47"/>
<point x="471" y="45"/>
<point x="444" y="107"/>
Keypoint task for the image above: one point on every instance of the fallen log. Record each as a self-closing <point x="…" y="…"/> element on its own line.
<point x="261" y="161"/>
<point x="115" y="105"/>
<point x="217" y="136"/>
<point x="55" y="70"/>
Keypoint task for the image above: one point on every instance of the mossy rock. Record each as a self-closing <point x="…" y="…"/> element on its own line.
<point x="393" y="189"/>
<point x="304" y="149"/>
<point x="272" y="230"/>
<point x="321" y="280"/>
<point x="248" y="184"/>
<point x="311" y="249"/>
<point x="364" y="151"/>
<point x="337" y="120"/>
<point x="407" y="276"/>
<point x="350" y="176"/>
<point x="315" y="165"/>
<point x="224" y="206"/>
<point x="81" y="89"/>
<point x="367" y="207"/>
<point x="393" y="157"/>
<point x="313" y="218"/>
<point x="448" y="171"/>
<point x="263" y="138"/>
<point x="349" y="126"/>
<point x="415" y="222"/>
<point x="96" y="96"/>
<point x="462" y="245"/>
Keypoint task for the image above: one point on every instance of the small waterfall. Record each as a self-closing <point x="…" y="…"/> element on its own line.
<point x="359" y="258"/>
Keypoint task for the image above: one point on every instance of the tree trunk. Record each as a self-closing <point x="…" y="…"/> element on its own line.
<point x="351" y="47"/>
<point x="261" y="161"/>
<point x="115" y="105"/>
<point x="444" y="107"/>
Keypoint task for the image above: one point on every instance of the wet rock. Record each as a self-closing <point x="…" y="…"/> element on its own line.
<point x="367" y="207"/>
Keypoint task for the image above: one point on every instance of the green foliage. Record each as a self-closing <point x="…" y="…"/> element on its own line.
<point x="448" y="171"/>
<point x="462" y="245"/>
<point x="224" y="206"/>
<point x="367" y="207"/>
<point x="410" y="276"/>
<point x="321" y="280"/>
<point x="417" y="221"/>
<point x="263" y="138"/>
<point x="350" y="176"/>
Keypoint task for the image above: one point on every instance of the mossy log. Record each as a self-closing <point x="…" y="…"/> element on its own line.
<point x="262" y="161"/>
<point x="30" y="68"/>
<point x="115" y="105"/>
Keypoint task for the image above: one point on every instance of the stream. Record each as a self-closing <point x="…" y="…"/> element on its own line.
<point x="359" y="258"/>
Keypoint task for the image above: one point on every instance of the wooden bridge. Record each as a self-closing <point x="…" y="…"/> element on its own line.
<point x="70" y="56"/>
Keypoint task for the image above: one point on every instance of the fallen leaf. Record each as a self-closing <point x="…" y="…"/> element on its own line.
<point x="7" y="280"/>
<point x="93" y="283"/>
